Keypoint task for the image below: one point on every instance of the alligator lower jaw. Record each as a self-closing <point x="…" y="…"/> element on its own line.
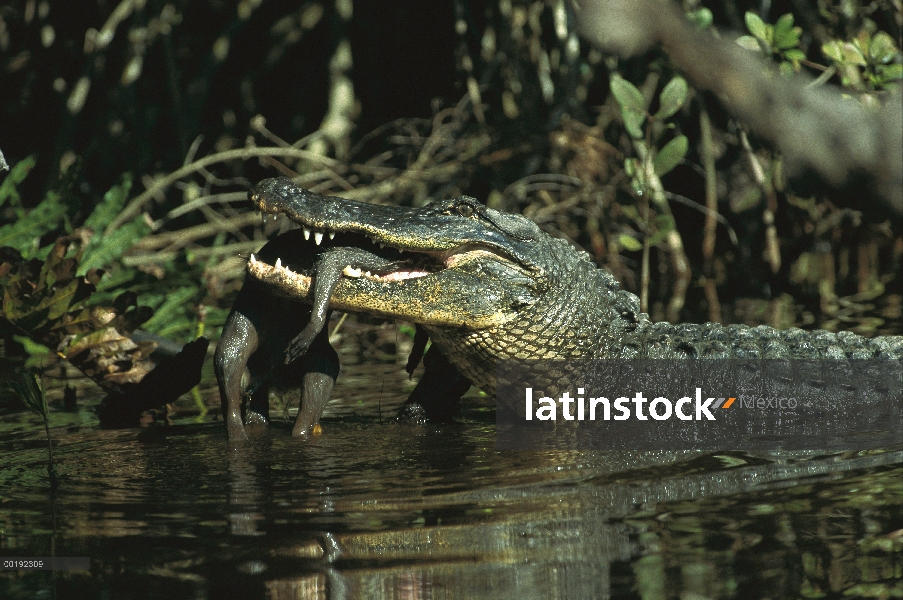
<point x="302" y="283"/>
<point x="419" y="296"/>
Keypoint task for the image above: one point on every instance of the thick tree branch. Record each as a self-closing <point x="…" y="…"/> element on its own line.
<point x="852" y="148"/>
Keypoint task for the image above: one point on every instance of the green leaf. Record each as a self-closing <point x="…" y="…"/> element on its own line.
<point x="24" y="233"/>
<point x="890" y="73"/>
<point x="31" y="393"/>
<point x="38" y="354"/>
<point x="702" y="18"/>
<point x="665" y="223"/>
<point x="31" y="347"/>
<point x="629" y="242"/>
<point x="630" y="167"/>
<point x="657" y="237"/>
<point x="671" y="155"/>
<point x="672" y="97"/>
<point x="757" y="27"/>
<point x="881" y="50"/>
<point x="58" y="304"/>
<point x="794" y="54"/>
<point x="833" y="51"/>
<point x="750" y="43"/>
<point x="852" y="54"/>
<point x="170" y="309"/>
<point x="633" y="109"/>
<point x="627" y="95"/>
<point x="785" y="34"/>
<point x="108" y="208"/>
<point x="633" y="123"/>
<point x="105" y="249"/>
<point x="15" y="176"/>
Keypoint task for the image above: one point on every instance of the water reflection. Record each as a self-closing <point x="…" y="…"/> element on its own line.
<point x="378" y="510"/>
<point x="244" y="496"/>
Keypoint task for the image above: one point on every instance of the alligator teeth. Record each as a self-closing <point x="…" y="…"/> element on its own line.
<point x="381" y="245"/>
<point x="278" y="263"/>
<point x="253" y="260"/>
<point x="306" y="233"/>
<point x="332" y="235"/>
<point x="368" y="274"/>
<point x="400" y="250"/>
<point x="351" y="271"/>
<point x="318" y="237"/>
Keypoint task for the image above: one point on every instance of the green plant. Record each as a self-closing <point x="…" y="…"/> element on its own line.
<point x="47" y="291"/>
<point x="24" y="234"/>
<point x="648" y="131"/>
<point x="781" y="40"/>
<point x="108" y="244"/>
<point x="868" y="61"/>
<point x="31" y="392"/>
<point x="701" y="17"/>
<point x="652" y="159"/>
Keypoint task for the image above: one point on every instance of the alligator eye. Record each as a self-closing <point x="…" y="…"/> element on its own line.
<point x="465" y="210"/>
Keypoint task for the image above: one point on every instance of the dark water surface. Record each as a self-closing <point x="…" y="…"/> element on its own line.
<point x="373" y="509"/>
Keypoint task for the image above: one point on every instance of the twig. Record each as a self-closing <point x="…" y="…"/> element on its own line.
<point x="137" y="204"/>
<point x="704" y="210"/>
<point x="673" y="241"/>
<point x="644" y="264"/>
<point x="772" y="249"/>
<point x="234" y="249"/>
<point x="335" y="330"/>
<point x="206" y="200"/>
<point x="711" y="222"/>
<point x="189" y="234"/>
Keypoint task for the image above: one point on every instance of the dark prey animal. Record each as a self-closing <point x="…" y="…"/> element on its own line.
<point x="262" y="327"/>
<point x="491" y="286"/>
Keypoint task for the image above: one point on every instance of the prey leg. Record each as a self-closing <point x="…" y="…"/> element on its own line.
<point x="438" y="392"/>
<point x="420" y="340"/>
<point x="321" y="367"/>
<point x="237" y="344"/>
<point x="328" y="272"/>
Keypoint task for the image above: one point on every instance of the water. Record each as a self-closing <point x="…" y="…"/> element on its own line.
<point x="376" y="509"/>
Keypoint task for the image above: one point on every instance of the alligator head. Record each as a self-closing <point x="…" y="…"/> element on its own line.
<point x="445" y="252"/>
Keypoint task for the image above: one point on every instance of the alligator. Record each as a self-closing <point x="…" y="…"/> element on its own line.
<point x="488" y="285"/>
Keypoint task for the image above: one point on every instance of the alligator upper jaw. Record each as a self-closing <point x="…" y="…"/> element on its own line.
<point x="423" y="230"/>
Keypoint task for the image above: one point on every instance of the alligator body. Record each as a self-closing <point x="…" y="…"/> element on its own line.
<point x="490" y="285"/>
